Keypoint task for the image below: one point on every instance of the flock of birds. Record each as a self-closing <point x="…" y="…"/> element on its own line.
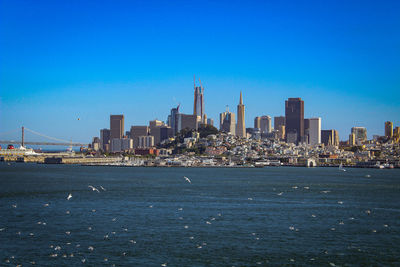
<point x="57" y="249"/>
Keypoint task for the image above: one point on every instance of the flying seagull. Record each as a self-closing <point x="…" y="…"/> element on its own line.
<point x="69" y="196"/>
<point x="94" y="188"/>
<point x="187" y="179"/>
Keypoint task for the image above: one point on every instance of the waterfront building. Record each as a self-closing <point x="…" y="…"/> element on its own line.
<point x="360" y="134"/>
<point x="96" y="144"/>
<point x="105" y="140"/>
<point x="265" y="124"/>
<point x="389" y="129"/>
<point x="227" y="122"/>
<point x="240" y="127"/>
<point x="116" y="126"/>
<point x="257" y="121"/>
<point x="146" y="141"/>
<point x="294" y="118"/>
<point x="314" y="131"/>
<point x="198" y="107"/>
<point x="330" y="137"/>
<point x="137" y="131"/>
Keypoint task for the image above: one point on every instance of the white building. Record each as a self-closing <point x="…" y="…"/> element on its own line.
<point x="315" y="131"/>
<point x="146" y="141"/>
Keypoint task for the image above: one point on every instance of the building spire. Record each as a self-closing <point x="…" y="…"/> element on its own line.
<point x="241" y="99"/>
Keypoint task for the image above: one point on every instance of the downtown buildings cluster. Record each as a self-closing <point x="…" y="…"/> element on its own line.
<point x="289" y="131"/>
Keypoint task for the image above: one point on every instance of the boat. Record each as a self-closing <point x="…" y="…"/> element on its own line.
<point x="21" y="151"/>
<point x="341" y="168"/>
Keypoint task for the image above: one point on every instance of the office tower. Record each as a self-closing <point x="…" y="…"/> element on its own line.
<point x="210" y="122"/>
<point x="306" y="131"/>
<point x="227" y="122"/>
<point x="190" y="122"/>
<point x="204" y="120"/>
<point x="116" y="126"/>
<point x="105" y="139"/>
<point x="360" y="134"/>
<point x="352" y="139"/>
<point x="96" y="144"/>
<point x="155" y="130"/>
<point x="257" y="122"/>
<point x="137" y="131"/>
<point x="172" y="119"/>
<point x="265" y="124"/>
<point x="313" y="130"/>
<point x="240" y="126"/>
<point x="166" y="132"/>
<point x="146" y="141"/>
<point x="330" y="137"/>
<point x="280" y="120"/>
<point x="294" y="118"/>
<point x="389" y="129"/>
<point x="198" y="107"/>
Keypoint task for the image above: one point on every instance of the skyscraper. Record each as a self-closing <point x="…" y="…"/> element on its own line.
<point x="265" y="124"/>
<point x="172" y="119"/>
<point x="330" y="137"/>
<point x="137" y="131"/>
<point x="240" y="127"/>
<point x="389" y="129"/>
<point x="105" y="140"/>
<point x="360" y="134"/>
<point x="294" y="118"/>
<point x="227" y="122"/>
<point x="314" y="131"/>
<point x="198" y="107"/>
<point x="116" y="126"/>
<point x="257" y="122"/>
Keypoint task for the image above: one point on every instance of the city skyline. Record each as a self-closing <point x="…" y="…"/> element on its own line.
<point x="339" y="60"/>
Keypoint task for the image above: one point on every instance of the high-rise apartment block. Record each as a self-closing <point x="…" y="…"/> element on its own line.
<point x="389" y="129"/>
<point x="360" y="134"/>
<point x="240" y="127"/>
<point x="294" y="118"/>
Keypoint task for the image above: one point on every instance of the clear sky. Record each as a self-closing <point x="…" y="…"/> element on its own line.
<point x="64" y="60"/>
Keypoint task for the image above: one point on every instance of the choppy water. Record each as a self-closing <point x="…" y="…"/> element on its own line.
<point x="225" y="217"/>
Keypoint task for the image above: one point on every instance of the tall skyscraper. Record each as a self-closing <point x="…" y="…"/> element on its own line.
<point x="116" y="126"/>
<point x="172" y="119"/>
<point x="360" y="134"/>
<point x="198" y="107"/>
<point x="227" y="122"/>
<point x="314" y="131"/>
<point x="240" y="127"/>
<point x="187" y="121"/>
<point x="265" y="124"/>
<point x="389" y="129"/>
<point x="294" y="118"/>
<point x="257" y="122"/>
<point x="105" y="139"/>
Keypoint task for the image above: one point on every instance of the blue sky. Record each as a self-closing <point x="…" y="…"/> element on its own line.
<point x="64" y="60"/>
